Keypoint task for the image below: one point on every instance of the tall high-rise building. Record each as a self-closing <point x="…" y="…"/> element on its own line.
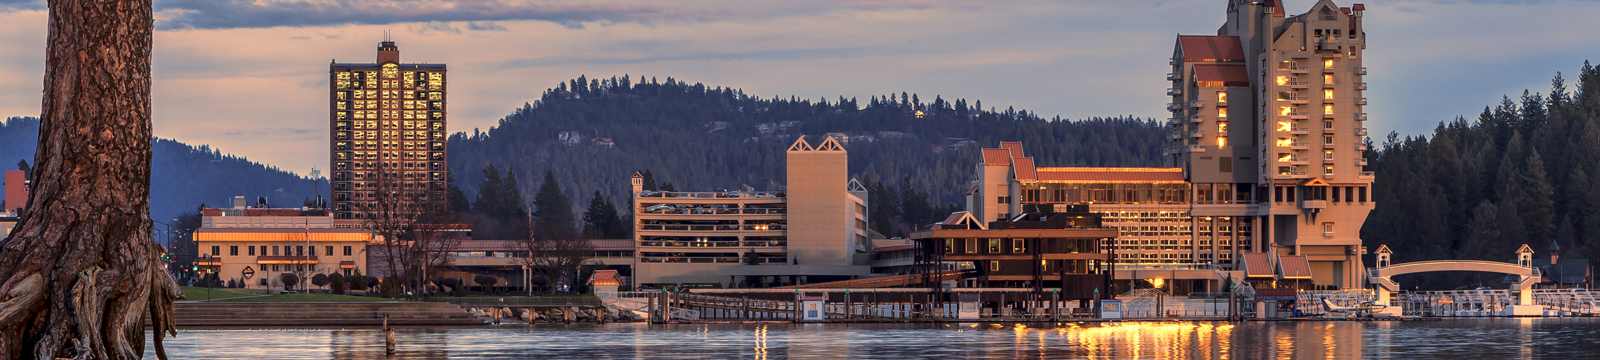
<point x="1254" y="145"/>
<point x="387" y="119"/>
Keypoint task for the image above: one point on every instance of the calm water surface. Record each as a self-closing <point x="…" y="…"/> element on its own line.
<point x="1465" y="339"/>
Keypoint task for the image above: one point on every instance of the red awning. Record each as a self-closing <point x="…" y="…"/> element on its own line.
<point x="1257" y="265"/>
<point x="1294" y="267"/>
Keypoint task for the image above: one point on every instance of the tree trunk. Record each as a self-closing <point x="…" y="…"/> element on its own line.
<point x="79" y="274"/>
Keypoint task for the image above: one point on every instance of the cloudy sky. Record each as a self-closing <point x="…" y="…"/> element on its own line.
<point x="250" y="76"/>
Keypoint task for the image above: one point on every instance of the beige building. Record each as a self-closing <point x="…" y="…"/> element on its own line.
<point x="814" y="231"/>
<point x="258" y="245"/>
<point x="386" y="118"/>
<point x="1290" y="165"/>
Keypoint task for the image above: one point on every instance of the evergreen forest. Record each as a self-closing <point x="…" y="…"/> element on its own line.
<point x="1525" y="171"/>
<point x="916" y="155"/>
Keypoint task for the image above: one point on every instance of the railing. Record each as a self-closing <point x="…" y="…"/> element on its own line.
<point x="1174" y="106"/>
<point x="1299" y="115"/>
<point x="1299" y="69"/>
<point x="1361" y="101"/>
<point x="1361" y="131"/>
<point x="1568" y="300"/>
<point x="1300" y="145"/>
<point x="709" y="194"/>
<point x="1361" y="71"/>
<point x="1299" y="84"/>
<point x="519" y="300"/>
<point x="1361" y="116"/>
<point x="1174" y="91"/>
<point x="1366" y="174"/>
<point x="1300" y="131"/>
<point x="1197" y="148"/>
<point x="1174" y="76"/>
<point x="1294" y="98"/>
<point x="674" y="243"/>
<point x="1361" y="86"/>
<point x="710" y="260"/>
<point x="1197" y="134"/>
<point x="1197" y="104"/>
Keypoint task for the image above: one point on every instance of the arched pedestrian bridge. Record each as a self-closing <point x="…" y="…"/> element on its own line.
<point x="1528" y="275"/>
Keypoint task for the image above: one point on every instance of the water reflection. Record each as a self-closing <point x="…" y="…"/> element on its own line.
<point x="1479" y="338"/>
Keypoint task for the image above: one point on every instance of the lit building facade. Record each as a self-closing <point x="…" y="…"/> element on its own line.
<point x="388" y="120"/>
<point x="1290" y="164"/>
<point x="257" y="245"/>
<point x="813" y="231"/>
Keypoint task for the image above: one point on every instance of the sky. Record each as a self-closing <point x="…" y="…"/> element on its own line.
<point x="249" y="77"/>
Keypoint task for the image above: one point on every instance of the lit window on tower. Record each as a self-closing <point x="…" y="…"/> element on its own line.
<point x="1284" y="125"/>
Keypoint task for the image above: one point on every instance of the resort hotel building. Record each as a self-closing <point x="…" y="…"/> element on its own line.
<point x="258" y="245"/>
<point x="387" y="121"/>
<point x="814" y="230"/>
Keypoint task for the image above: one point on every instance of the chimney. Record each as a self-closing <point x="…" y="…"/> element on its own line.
<point x="1555" y="253"/>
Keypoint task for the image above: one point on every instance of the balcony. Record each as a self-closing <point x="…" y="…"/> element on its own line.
<point x="1299" y="115"/>
<point x="1174" y="122"/>
<point x="1299" y="84"/>
<point x="1361" y="116"/>
<point x="1174" y="136"/>
<point x="1361" y="71"/>
<point x="1327" y="70"/>
<point x="1361" y="101"/>
<point x="1299" y="131"/>
<point x="1361" y="86"/>
<point x="1327" y="100"/>
<point x="1313" y="204"/>
<point x="1361" y="131"/>
<point x="1327" y="85"/>
<point x="1365" y="175"/>
<point x="1197" y="148"/>
<point x="1174" y="106"/>
<point x="1299" y="161"/>
<point x="1300" y="146"/>
<point x="1327" y="146"/>
<point x="1197" y="119"/>
<point x="1298" y="100"/>
<point x="1222" y="103"/>
<point x="1327" y="130"/>
<point x="1174" y="92"/>
<point x="1172" y="61"/>
<point x="1299" y="174"/>
<point x="1174" y="76"/>
<point x="1298" y="69"/>
<point x="1361" y="162"/>
<point x="1197" y="104"/>
<point x="1197" y="134"/>
<point x="1361" y="147"/>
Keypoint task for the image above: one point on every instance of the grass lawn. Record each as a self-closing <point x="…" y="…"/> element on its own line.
<point x="192" y="293"/>
<point x="310" y="298"/>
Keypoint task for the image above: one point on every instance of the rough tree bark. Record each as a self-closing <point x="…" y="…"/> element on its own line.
<point x="79" y="274"/>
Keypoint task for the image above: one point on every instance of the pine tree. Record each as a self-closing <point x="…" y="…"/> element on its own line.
<point x="457" y="200"/>
<point x="1538" y="210"/>
<point x="600" y="220"/>
<point x="552" y="213"/>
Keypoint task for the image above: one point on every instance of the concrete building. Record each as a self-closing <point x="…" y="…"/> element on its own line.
<point x="1292" y="168"/>
<point x="258" y="245"/>
<point x="815" y="231"/>
<point x="387" y="121"/>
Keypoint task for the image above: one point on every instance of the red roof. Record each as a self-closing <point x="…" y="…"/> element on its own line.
<point x="1295" y="267"/>
<point x="1257" y="265"/>
<point x="604" y="278"/>
<point x="1094" y="174"/>
<point x="1024" y="168"/>
<point x="996" y="157"/>
<point x="1221" y="75"/>
<point x="1015" y="147"/>
<point x="1207" y="48"/>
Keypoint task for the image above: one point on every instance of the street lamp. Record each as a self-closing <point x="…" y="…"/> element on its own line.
<point x="207" y="279"/>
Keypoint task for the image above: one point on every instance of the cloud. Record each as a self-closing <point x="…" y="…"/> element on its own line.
<point x="484" y="26"/>
<point x="433" y="27"/>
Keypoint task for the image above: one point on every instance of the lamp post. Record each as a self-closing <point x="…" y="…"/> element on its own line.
<point x="207" y="279"/>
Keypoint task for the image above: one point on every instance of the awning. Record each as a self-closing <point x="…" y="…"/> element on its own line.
<point x="1276" y="294"/>
<point x="1294" y="267"/>
<point x="604" y="278"/>
<point x="347" y="264"/>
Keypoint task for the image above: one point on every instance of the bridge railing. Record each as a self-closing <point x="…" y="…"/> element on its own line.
<point x="519" y="301"/>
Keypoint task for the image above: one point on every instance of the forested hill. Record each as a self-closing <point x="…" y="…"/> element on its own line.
<point x="1526" y="171"/>
<point x="182" y="176"/>
<point x="700" y="138"/>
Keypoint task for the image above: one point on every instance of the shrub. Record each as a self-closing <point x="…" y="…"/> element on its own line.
<point x="319" y="280"/>
<point x="357" y="282"/>
<point x="337" y="281"/>
<point x="289" y="280"/>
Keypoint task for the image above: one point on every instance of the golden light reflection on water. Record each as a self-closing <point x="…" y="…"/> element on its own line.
<point x="761" y="342"/>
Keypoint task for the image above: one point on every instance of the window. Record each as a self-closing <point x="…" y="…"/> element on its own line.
<point x="328" y="251"/>
<point x="347" y="251"/>
<point x="1222" y="129"/>
<point x="1327" y="94"/>
<point x="1327" y="169"/>
<point x="1327" y="124"/>
<point x="1222" y="142"/>
<point x="1327" y="139"/>
<point x="1362" y="194"/>
<point x="1327" y="78"/>
<point x="1284" y="65"/>
<point x="1222" y="97"/>
<point x="251" y="250"/>
<point x="1327" y="154"/>
<point x="1283" y="80"/>
<point x="1019" y="246"/>
<point x="301" y="250"/>
<point x="994" y="266"/>
<point x="1284" y="110"/>
<point x="1327" y="228"/>
<point x="1327" y="63"/>
<point x="233" y="250"/>
<point x="994" y="246"/>
<point x="972" y="246"/>
<point x="1285" y="157"/>
<point x="1284" y="170"/>
<point x="1224" y="164"/>
<point x="1327" y="109"/>
<point x="949" y="246"/>
<point x="1285" y="126"/>
<point x="216" y="250"/>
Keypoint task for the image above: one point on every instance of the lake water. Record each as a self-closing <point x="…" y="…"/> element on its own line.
<point x="1502" y="338"/>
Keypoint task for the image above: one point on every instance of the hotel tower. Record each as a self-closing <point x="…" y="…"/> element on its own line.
<point x="387" y="119"/>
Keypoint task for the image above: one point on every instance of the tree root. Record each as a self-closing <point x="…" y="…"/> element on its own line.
<point x="20" y="298"/>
